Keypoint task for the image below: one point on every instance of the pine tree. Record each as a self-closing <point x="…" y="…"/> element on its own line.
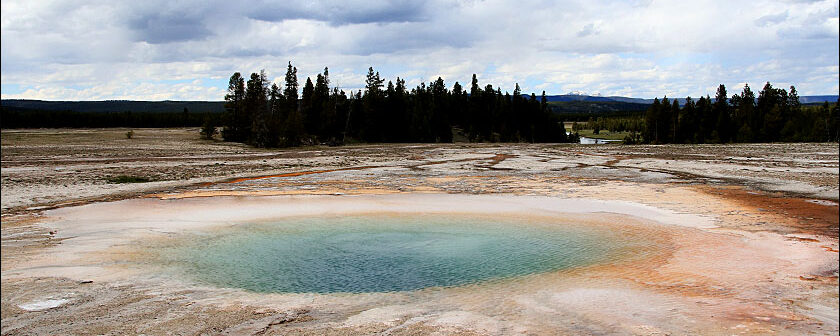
<point x="293" y="125"/>
<point x="458" y="105"/>
<point x="475" y="110"/>
<point x="517" y="116"/>
<point x="688" y="123"/>
<point x="338" y="108"/>
<point x="793" y="99"/>
<point x="321" y="111"/>
<point x="675" y="116"/>
<point x="307" y="108"/>
<point x="766" y="107"/>
<point x="291" y="89"/>
<point x="256" y="105"/>
<point x="652" y="117"/>
<point x="372" y="108"/>
<point x="664" y="122"/>
<point x="400" y="114"/>
<point x="744" y="105"/>
<point x="234" y="118"/>
<point x="543" y="102"/>
<point x="276" y="112"/>
<point x="442" y="130"/>
<point x="707" y="119"/>
<point x="723" y="117"/>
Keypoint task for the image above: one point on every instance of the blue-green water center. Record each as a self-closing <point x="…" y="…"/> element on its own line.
<point x="383" y="253"/>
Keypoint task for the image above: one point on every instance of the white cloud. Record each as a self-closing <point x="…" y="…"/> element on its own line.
<point x="103" y="49"/>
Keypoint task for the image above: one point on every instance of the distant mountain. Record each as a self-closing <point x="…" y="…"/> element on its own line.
<point x="817" y="99"/>
<point x="631" y="100"/>
<point x="576" y="97"/>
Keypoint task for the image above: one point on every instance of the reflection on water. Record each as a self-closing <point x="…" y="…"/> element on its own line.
<point x="592" y="141"/>
<point x="382" y="253"/>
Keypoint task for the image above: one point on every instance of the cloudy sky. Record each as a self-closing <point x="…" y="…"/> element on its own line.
<point x="187" y="50"/>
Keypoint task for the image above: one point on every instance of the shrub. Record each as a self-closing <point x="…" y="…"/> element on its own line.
<point x="208" y="130"/>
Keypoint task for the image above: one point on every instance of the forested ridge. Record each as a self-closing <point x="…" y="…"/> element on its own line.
<point x="21" y="113"/>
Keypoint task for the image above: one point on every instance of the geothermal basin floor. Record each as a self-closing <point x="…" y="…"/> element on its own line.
<point x="742" y="239"/>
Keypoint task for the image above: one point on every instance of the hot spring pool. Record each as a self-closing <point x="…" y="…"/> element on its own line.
<point x="385" y="253"/>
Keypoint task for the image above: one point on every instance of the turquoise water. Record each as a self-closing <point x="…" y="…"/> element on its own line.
<point x="384" y="253"/>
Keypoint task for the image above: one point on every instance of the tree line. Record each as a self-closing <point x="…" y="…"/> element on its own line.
<point x="19" y="117"/>
<point x="775" y="115"/>
<point x="265" y="115"/>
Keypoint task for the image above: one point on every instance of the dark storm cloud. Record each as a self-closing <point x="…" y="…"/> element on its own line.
<point x="158" y="28"/>
<point x="408" y="37"/>
<point x="349" y="12"/>
<point x="165" y="23"/>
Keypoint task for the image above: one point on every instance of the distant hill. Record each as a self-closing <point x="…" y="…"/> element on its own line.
<point x="817" y="99"/>
<point x="574" y="104"/>
<point x="22" y="113"/>
<point x="576" y="97"/>
<point x="567" y="103"/>
<point x="167" y="106"/>
<point x="587" y="98"/>
<point x="607" y="107"/>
